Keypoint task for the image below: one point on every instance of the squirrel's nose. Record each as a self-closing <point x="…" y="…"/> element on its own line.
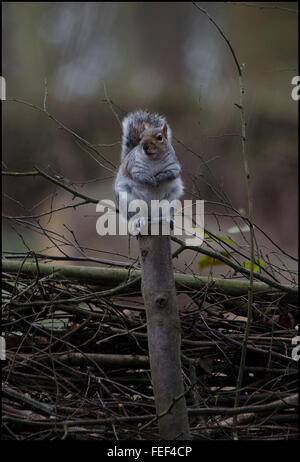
<point x="147" y="147"/>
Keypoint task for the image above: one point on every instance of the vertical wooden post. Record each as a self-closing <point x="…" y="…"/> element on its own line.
<point x="164" y="337"/>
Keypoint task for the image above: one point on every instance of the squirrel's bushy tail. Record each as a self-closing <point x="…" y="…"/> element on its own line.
<point x="132" y="128"/>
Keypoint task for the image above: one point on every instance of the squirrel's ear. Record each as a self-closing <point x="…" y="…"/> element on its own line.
<point x="144" y="126"/>
<point x="165" y="130"/>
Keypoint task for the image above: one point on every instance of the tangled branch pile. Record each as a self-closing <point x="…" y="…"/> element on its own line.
<point x="77" y="361"/>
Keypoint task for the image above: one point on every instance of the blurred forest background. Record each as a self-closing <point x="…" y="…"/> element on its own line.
<point x="106" y="59"/>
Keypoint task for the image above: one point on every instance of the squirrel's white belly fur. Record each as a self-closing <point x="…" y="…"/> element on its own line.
<point x="169" y="189"/>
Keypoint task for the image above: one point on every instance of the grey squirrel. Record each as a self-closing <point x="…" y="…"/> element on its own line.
<point x="149" y="167"/>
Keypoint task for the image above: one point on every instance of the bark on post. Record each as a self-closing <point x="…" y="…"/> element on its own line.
<point x="164" y="337"/>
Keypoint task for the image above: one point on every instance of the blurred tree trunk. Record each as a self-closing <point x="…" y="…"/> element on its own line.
<point x="164" y="337"/>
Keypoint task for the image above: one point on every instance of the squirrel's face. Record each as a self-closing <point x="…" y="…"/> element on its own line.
<point x="154" y="141"/>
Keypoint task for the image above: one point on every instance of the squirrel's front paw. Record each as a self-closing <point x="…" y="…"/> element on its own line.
<point x="146" y="179"/>
<point x="162" y="176"/>
<point x="153" y="182"/>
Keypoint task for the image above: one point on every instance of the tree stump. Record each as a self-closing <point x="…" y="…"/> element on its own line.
<point x="164" y="336"/>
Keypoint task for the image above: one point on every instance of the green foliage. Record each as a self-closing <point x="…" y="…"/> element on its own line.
<point x="206" y="261"/>
<point x="257" y="264"/>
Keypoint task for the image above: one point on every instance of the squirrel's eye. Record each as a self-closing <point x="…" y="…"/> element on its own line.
<point x="159" y="138"/>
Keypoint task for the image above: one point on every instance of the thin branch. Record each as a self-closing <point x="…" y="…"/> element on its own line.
<point x="264" y="7"/>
